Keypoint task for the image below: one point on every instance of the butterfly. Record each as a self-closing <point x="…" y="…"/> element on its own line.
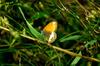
<point x="49" y="31"/>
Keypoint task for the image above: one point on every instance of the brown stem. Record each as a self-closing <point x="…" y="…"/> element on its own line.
<point x="73" y="54"/>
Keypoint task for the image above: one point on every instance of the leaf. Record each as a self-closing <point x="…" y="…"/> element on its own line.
<point x="76" y="60"/>
<point x="32" y="30"/>
<point x="69" y="35"/>
<point x="35" y="32"/>
<point x="75" y="37"/>
<point x="92" y="42"/>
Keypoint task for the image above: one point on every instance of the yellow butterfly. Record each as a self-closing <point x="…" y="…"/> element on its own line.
<point x="49" y="31"/>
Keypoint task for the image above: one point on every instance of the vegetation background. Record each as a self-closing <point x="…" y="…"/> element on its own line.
<point x="78" y="33"/>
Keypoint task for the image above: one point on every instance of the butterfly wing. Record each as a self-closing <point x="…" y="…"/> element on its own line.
<point x="52" y="37"/>
<point x="49" y="31"/>
<point x="51" y="27"/>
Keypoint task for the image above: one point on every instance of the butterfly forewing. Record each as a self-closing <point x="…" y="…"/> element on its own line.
<point x="51" y="27"/>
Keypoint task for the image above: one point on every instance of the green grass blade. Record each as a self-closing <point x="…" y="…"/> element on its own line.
<point x="76" y="60"/>
<point x="32" y="30"/>
<point x="69" y="35"/>
<point x="75" y="37"/>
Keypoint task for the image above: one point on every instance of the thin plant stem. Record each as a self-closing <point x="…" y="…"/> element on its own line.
<point x="73" y="54"/>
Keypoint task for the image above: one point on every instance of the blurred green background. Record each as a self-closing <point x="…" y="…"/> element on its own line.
<point x="23" y="44"/>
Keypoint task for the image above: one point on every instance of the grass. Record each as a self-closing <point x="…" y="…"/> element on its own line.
<point x="22" y="42"/>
